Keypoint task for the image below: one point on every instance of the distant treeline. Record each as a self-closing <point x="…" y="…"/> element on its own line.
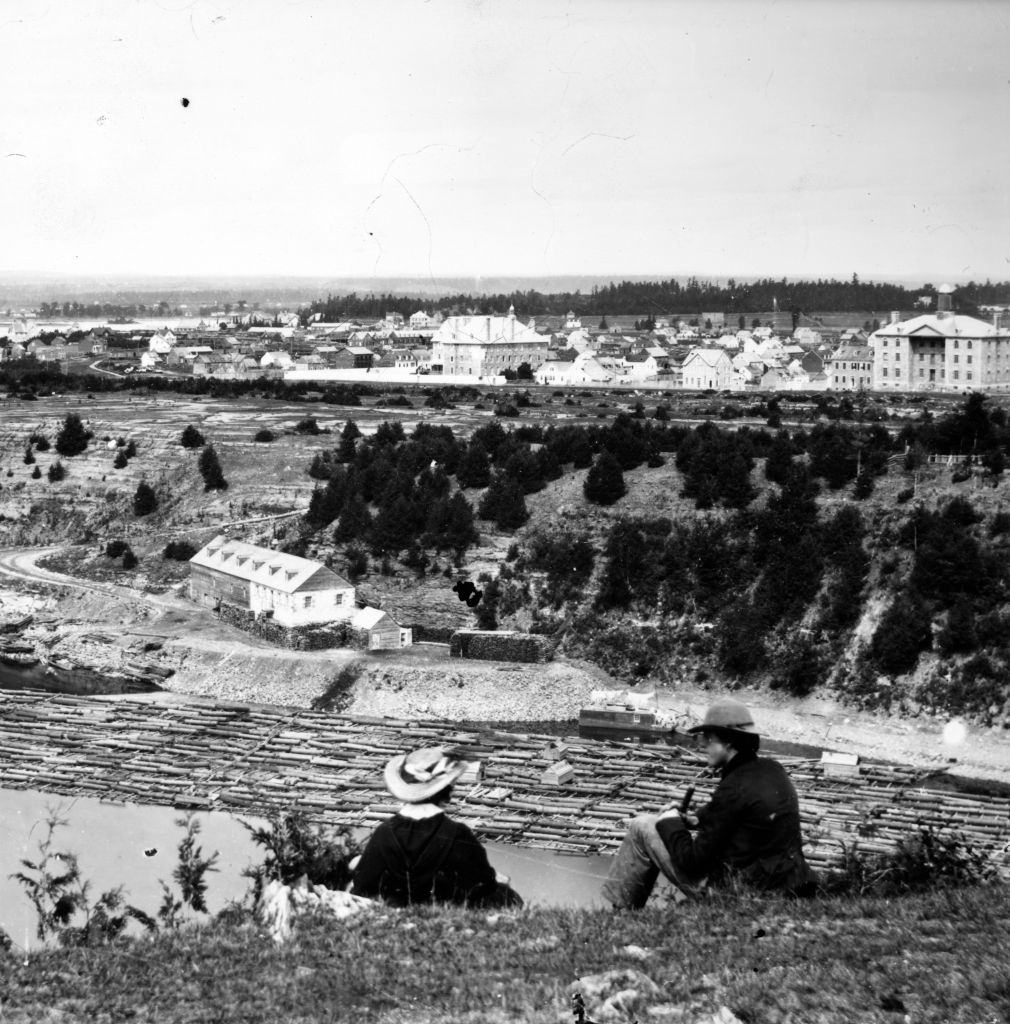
<point x="693" y="297"/>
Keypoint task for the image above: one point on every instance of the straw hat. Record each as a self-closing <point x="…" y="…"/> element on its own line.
<point x="419" y="775"/>
<point x="726" y="715"/>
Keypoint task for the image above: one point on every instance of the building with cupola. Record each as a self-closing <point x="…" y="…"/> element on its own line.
<point x="941" y="351"/>
<point x="484" y="346"/>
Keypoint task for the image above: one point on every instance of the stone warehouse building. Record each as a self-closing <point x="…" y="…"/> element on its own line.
<point x="941" y="351"/>
<point x="483" y="346"/>
<point x="291" y="591"/>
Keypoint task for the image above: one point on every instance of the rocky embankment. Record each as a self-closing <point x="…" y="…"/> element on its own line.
<point x="35" y="637"/>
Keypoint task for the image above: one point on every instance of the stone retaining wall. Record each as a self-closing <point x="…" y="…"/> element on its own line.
<point x="295" y="638"/>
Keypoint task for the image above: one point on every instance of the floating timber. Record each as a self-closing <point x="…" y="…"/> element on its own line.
<point x="251" y="759"/>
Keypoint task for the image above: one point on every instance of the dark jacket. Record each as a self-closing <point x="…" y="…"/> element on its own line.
<point x="751" y="828"/>
<point x="410" y="860"/>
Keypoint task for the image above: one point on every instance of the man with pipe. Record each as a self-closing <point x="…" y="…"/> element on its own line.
<point x="749" y="830"/>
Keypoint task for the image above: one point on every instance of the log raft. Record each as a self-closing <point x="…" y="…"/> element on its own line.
<point x="256" y="760"/>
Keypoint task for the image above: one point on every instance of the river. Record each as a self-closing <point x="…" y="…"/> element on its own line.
<point x="135" y="845"/>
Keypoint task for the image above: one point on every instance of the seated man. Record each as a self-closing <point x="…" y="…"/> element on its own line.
<point x="420" y="855"/>
<point x="750" y="829"/>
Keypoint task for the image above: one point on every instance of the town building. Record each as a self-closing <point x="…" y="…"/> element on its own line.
<point x="850" y="368"/>
<point x="485" y="346"/>
<point x="941" y="351"/>
<point x="707" y="369"/>
<point x="293" y="591"/>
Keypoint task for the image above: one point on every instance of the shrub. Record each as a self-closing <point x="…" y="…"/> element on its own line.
<point x="36" y="473"/>
<point x="999" y="524"/>
<point x="129" y="559"/>
<point x="40" y="441"/>
<point x="308" y="425"/>
<point x="190" y="874"/>
<point x="604" y="482"/>
<point x="179" y="551"/>
<point x="56" y="472"/>
<point x="145" y="501"/>
<point x="264" y="436"/>
<point x="72" y="438"/>
<point x="115" y="548"/>
<point x="29" y="456"/>
<point x="864" y="485"/>
<point x="903" y="631"/>
<point x="905" y="495"/>
<point x="120" y="461"/>
<point x="131" y="449"/>
<point x="961" y="512"/>
<point x="210" y="470"/>
<point x="192" y="438"/>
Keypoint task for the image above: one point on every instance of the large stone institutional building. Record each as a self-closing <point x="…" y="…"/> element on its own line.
<point x="941" y="351"/>
<point x="484" y="346"/>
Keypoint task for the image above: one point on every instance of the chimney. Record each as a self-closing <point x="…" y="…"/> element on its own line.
<point x="996" y="319"/>
<point x="895" y="316"/>
<point x="943" y="300"/>
<point x="488" y="328"/>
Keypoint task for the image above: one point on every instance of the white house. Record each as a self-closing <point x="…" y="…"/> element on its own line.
<point x="162" y="341"/>
<point x="293" y="591"/>
<point x="707" y="369"/>
<point x="567" y="369"/>
<point x="280" y="359"/>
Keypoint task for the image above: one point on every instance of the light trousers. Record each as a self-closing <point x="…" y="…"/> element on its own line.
<point x="635" y="870"/>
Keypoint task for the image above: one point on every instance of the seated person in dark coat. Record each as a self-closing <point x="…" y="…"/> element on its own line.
<point x="420" y="855"/>
<point x="749" y="830"/>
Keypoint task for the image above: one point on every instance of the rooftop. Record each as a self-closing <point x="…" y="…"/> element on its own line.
<point x="273" y="569"/>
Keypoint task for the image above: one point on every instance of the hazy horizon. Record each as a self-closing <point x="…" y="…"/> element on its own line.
<point x="343" y="139"/>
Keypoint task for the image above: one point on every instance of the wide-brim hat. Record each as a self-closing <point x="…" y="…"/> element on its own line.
<point x="419" y="775"/>
<point x="727" y="716"/>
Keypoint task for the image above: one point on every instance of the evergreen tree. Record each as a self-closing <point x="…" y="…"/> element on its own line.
<point x="192" y="438"/>
<point x="355" y="520"/>
<point x="474" y="469"/>
<point x="487" y="608"/>
<point x="72" y="438"/>
<point x="131" y="450"/>
<point x="460" y="530"/>
<point x="779" y="461"/>
<point x="129" y="559"/>
<point x="348" y="441"/>
<point x="56" y="472"/>
<point x="604" y="482"/>
<point x="36" y="473"/>
<point x="392" y="529"/>
<point x="864" y="486"/>
<point x="120" y="461"/>
<point x="144" y="499"/>
<point x="210" y="470"/>
<point x="524" y="466"/>
<point x="504" y="503"/>
<point x="29" y="456"/>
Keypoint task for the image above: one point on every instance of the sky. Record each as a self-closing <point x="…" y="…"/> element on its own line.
<point x="490" y="137"/>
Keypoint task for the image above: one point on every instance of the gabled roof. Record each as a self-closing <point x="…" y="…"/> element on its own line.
<point x="709" y="356"/>
<point x="274" y="569"/>
<point x="367" y="618"/>
<point x="952" y="325"/>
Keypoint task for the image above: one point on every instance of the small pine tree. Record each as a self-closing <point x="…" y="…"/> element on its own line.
<point x="36" y="473"/>
<point x="210" y="470"/>
<point x="72" y="438"/>
<point x="192" y="438"/>
<point x="29" y="456"/>
<point x="131" y="450"/>
<point x="129" y="559"/>
<point x="120" y="461"/>
<point x="474" y="469"/>
<point x="863" y="487"/>
<point x="144" y="500"/>
<point x="605" y="480"/>
<point x="56" y="472"/>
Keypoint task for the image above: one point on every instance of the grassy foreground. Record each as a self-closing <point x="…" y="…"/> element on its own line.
<point x="935" y="958"/>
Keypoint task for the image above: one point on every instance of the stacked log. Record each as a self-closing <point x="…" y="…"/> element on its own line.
<point x="256" y="760"/>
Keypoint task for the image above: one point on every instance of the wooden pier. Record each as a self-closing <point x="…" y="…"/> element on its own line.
<point x="253" y="760"/>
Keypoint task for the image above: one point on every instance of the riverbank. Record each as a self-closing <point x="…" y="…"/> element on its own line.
<point x="930" y="959"/>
